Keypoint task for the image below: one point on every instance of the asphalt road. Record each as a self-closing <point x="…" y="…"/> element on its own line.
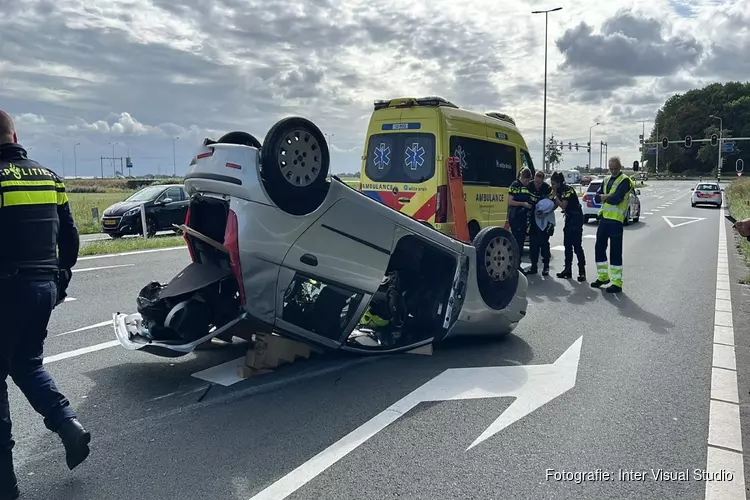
<point x="640" y="402"/>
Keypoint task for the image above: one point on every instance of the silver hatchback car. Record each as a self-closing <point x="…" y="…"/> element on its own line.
<point x="279" y="247"/>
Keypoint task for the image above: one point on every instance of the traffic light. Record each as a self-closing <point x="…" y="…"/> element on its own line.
<point x="688" y="141"/>
<point x="714" y="140"/>
<point x="640" y="137"/>
<point x="576" y="146"/>
<point x="635" y="166"/>
<point x="664" y="143"/>
<point x="570" y="146"/>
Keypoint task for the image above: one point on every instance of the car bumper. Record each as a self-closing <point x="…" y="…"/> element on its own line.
<point x="130" y="224"/>
<point x="707" y="201"/>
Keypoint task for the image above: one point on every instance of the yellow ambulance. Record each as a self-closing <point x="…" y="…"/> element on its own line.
<point x="408" y="142"/>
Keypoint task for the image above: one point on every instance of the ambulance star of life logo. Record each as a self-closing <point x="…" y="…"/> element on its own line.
<point x="382" y="156"/>
<point x="461" y="154"/>
<point x="414" y="156"/>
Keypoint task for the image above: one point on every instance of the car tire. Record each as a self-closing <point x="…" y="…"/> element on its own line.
<point x="297" y="185"/>
<point x="242" y="138"/>
<point x="627" y="218"/>
<point x="586" y="219"/>
<point x="498" y="260"/>
<point x="150" y="227"/>
<point x="692" y="204"/>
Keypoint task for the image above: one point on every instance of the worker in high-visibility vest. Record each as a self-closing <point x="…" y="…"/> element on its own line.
<point x="614" y="196"/>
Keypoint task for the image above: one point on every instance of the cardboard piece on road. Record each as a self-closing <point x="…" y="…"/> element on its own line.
<point x="688" y="220"/>
<point x="533" y="386"/>
<point x="202" y="237"/>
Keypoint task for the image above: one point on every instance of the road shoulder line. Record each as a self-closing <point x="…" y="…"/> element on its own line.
<point x="725" y="455"/>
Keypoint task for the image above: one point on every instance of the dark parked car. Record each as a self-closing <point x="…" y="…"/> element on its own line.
<point x="165" y="205"/>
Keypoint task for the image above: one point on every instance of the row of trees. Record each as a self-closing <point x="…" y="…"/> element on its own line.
<point x="690" y="114"/>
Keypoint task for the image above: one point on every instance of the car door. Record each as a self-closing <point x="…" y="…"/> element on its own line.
<point x="170" y="206"/>
<point x="331" y="272"/>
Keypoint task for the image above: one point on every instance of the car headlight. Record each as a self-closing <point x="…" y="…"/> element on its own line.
<point x="132" y="211"/>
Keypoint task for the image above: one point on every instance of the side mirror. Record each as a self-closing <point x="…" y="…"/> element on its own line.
<point x="692" y="189"/>
<point x="166" y="200"/>
<point x="638" y="192"/>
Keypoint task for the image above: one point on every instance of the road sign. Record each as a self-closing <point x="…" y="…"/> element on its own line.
<point x="688" y="141"/>
<point x="739" y="166"/>
<point x="688" y="220"/>
<point x="727" y="148"/>
<point x="664" y="143"/>
<point x="651" y="151"/>
<point x="532" y="386"/>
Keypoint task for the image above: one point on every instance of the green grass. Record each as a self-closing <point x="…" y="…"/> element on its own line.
<point x="129" y="245"/>
<point x="82" y="203"/>
<point x="738" y="199"/>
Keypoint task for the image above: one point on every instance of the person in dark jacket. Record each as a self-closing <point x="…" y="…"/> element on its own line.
<point x="539" y="238"/>
<point x="566" y="198"/>
<point x="39" y="247"/>
<point x="519" y="207"/>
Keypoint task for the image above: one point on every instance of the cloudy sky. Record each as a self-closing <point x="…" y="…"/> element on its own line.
<point x="149" y="77"/>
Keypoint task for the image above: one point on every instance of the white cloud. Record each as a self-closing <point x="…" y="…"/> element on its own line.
<point x="140" y="73"/>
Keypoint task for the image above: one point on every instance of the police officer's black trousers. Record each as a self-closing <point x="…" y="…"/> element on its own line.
<point x="25" y="308"/>
<point x="573" y="242"/>
<point x="519" y="234"/>
<point x="539" y="243"/>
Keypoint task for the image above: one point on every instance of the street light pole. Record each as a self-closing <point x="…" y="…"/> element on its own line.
<point x="544" y="127"/>
<point x="75" y="160"/>
<point x="721" y="133"/>
<point x="590" y="146"/>
<point x="174" y="157"/>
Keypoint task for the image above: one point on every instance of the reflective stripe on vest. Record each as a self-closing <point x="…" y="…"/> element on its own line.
<point x="616" y="212"/>
<point x="17" y="191"/>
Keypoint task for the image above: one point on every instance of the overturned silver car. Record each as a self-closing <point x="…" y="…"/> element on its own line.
<point x="279" y="247"/>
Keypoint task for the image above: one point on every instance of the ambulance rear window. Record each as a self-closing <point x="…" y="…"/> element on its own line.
<point x="400" y="157"/>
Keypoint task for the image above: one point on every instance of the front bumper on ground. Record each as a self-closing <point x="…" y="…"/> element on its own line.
<point x="131" y="335"/>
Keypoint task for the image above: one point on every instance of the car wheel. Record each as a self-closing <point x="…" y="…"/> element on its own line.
<point x="498" y="260"/>
<point x="294" y="165"/>
<point x="240" y="138"/>
<point x="150" y="227"/>
<point x="692" y="204"/>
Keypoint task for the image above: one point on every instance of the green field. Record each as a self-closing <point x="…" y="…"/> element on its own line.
<point x="81" y="205"/>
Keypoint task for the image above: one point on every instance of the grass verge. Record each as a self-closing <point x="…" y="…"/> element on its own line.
<point x="82" y="204"/>
<point x="129" y="244"/>
<point x="738" y="198"/>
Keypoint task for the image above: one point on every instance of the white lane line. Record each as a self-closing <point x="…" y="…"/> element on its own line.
<point x="136" y="252"/>
<point x="101" y="267"/>
<point x="648" y="213"/>
<point x="90" y="327"/>
<point x="80" y="352"/>
<point x="558" y="248"/>
<point x="655" y="210"/>
<point x="590" y="236"/>
<point x="724" y="428"/>
<point x="69" y="299"/>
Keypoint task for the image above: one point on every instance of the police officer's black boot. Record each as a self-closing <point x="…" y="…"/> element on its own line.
<point x="8" y="482"/>
<point x="581" y="273"/>
<point x="566" y="273"/>
<point x="76" y="441"/>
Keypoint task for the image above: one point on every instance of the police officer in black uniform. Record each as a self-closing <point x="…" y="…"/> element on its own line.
<point x="566" y="198"/>
<point x="519" y="207"/>
<point x="539" y="238"/>
<point x="35" y="222"/>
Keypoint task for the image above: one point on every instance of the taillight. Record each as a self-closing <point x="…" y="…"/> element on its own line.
<point x="185" y="236"/>
<point x="441" y="205"/>
<point x="231" y="241"/>
<point x="717" y="192"/>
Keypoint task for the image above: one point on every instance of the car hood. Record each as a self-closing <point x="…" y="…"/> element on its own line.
<point x="121" y="207"/>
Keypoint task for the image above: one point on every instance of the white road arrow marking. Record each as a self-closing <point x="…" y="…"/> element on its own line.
<point x="532" y="386"/>
<point x="690" y="221"/>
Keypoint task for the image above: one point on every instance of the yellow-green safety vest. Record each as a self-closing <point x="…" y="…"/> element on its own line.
<point x="616" y="212"/>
